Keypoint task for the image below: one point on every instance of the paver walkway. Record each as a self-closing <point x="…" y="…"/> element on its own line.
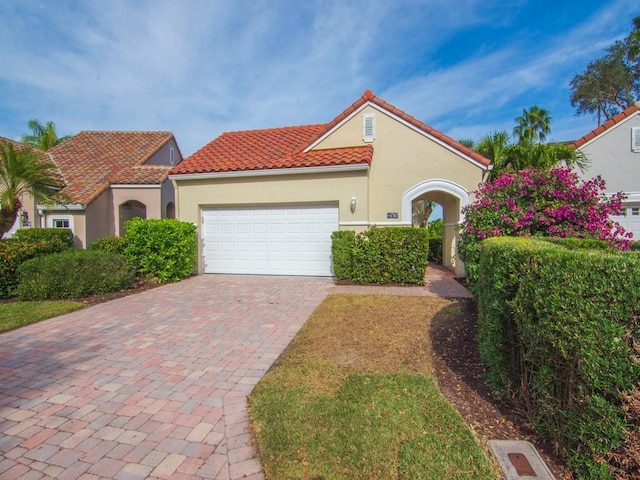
<point x="153" y="385"/>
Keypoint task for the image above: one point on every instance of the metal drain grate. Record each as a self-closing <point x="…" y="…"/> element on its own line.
<point x="520" y="460"/>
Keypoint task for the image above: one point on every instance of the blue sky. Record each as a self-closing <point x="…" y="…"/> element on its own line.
<point x="199" y="68"/>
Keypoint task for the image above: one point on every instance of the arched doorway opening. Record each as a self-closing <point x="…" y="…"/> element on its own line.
<point x="452" y="198"/>
<point x="170" y="211"/>
<point x="128" y="210"/>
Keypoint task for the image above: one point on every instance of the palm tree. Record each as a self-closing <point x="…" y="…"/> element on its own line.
<point x="493" y="147"/>
<point x="43" y="137"/>
<point x="421" y="211"/>
<point x="24" y="172"/>
<point x="533" y="125"/>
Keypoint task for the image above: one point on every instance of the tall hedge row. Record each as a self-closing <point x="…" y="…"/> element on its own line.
<point x="381" y="255"/>
<point x="559" y="333"/>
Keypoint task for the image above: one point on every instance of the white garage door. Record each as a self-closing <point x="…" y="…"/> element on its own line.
<point x="270" y="240"/>
<point x="630" y="221"/>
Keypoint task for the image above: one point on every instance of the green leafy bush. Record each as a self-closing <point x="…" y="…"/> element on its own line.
<point x="73" y="274"/>
<point x="435" y="250"/>
<point x="164" y="249"/>
<point x="390" y="255"/>
<point x="110" y="244"/>
<point x="14" y="251"/>
<point x="63" y="236"/>
<point x="342" y="243"/>
<point x="539" y="203"/>
<point x="559" y="333"/>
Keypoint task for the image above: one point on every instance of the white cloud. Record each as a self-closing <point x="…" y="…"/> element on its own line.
<point x="199" y="68"/>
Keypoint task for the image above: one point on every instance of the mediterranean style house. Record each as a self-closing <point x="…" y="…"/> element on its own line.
<point x="266" y="201"/>
<point x="613" y="150"/>
<point x="109" y="178"/>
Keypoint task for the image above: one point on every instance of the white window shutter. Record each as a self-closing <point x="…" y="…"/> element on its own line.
<point x="368" y="127"/>
<point x="635" y="139"/>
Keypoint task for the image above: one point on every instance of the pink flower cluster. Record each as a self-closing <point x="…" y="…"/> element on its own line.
<point x="536" y="202"/>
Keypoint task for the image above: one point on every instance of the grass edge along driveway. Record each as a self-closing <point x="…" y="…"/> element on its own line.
<point x="18" y="314"/>
<point x="353" y="397"/>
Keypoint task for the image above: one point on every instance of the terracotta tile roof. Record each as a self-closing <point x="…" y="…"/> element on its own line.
<point x="91" y="161"/>
<point x="141" y="175"/>
<point x="43" y="156"/>
<point x="285" y="147"/>
<point x="606" y="125"/>
<point x="249" y="150"/>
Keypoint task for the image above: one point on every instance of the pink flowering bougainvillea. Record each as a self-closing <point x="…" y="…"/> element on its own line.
<point x="540" y="202"/>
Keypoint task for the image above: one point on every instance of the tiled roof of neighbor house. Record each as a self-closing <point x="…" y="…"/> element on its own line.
<point x="91" y="161"/>
<point x="42" y="155"/>
<point x="606" y="125"/>
<point x="285" y="147"/>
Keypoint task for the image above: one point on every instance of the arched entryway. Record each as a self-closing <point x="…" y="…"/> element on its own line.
<point x="170" y="211"/>
<point x="452" y="198"/>
<point x="128" y="210"/>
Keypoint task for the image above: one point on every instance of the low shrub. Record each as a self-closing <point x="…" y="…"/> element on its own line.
<point x="161" y="248"/>
<point x="73" y="274"/>
<point x="14" y="251"/>
<point x="342" y="243"/>
<point x="48" y="235"/>
<point x="390" y="255"/>
<point x="110" y="244"/>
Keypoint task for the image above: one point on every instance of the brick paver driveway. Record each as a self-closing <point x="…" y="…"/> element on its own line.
<point x="154" y="385"/>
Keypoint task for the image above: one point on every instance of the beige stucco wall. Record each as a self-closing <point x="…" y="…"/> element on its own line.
<point x="162" y="156"/>
<point x="192" y="195"/>
<point x="612" y="158"/>
<point x="402" y="159"/>
<point x="149" y="196"/>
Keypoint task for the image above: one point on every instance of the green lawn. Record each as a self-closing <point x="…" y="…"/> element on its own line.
<point x="352" y="398"/>
<point x="17" y="314"/>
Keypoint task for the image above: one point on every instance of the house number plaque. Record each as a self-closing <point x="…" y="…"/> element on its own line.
<point x="392" y="214"/>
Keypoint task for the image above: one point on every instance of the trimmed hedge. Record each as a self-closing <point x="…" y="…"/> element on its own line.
<point x="110" y="244"/>
<point x="27" y="244"/>
<point x="381" y="255"/>
<point x="342" y="244"/>
<point x="49" y="235"/>
<point x="559" y="333"/>
<point x="72" y="274"/>
<point x="164" y="249"/>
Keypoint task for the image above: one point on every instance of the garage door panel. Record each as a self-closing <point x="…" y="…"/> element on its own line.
<point x="283" y="240"/>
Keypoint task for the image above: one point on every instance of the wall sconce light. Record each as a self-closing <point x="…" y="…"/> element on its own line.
<point x="352" y="205"/>
<point x="24" y="219"/>
<point x="126" y="205"/>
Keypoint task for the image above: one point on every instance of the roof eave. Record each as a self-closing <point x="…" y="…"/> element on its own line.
<point x="270" y="172"/>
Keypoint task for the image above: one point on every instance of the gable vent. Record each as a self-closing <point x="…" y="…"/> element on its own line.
<point x="635" y="139"/>
<point x="368" y="127"/>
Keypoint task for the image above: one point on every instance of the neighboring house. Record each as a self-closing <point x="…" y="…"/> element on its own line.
<point x="267" y="201"/>
<point x="614" y="152"/>
<point x="109" y="178"/>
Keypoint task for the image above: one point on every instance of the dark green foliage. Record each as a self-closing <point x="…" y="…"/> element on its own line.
<point x="73" y="274"/>
<point x="559" y="332"/>
<point x="110" y="244"/>
<point x="390" y="255"/>
<point x="635" y="246"/>
<point x="164" y="249"/>
<point x="63" y="236"/>
<point x="342" y="243"/>
<point x="14" y="251"/>
<point x="381" y="255"/>
<point x="435" y="250"/>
